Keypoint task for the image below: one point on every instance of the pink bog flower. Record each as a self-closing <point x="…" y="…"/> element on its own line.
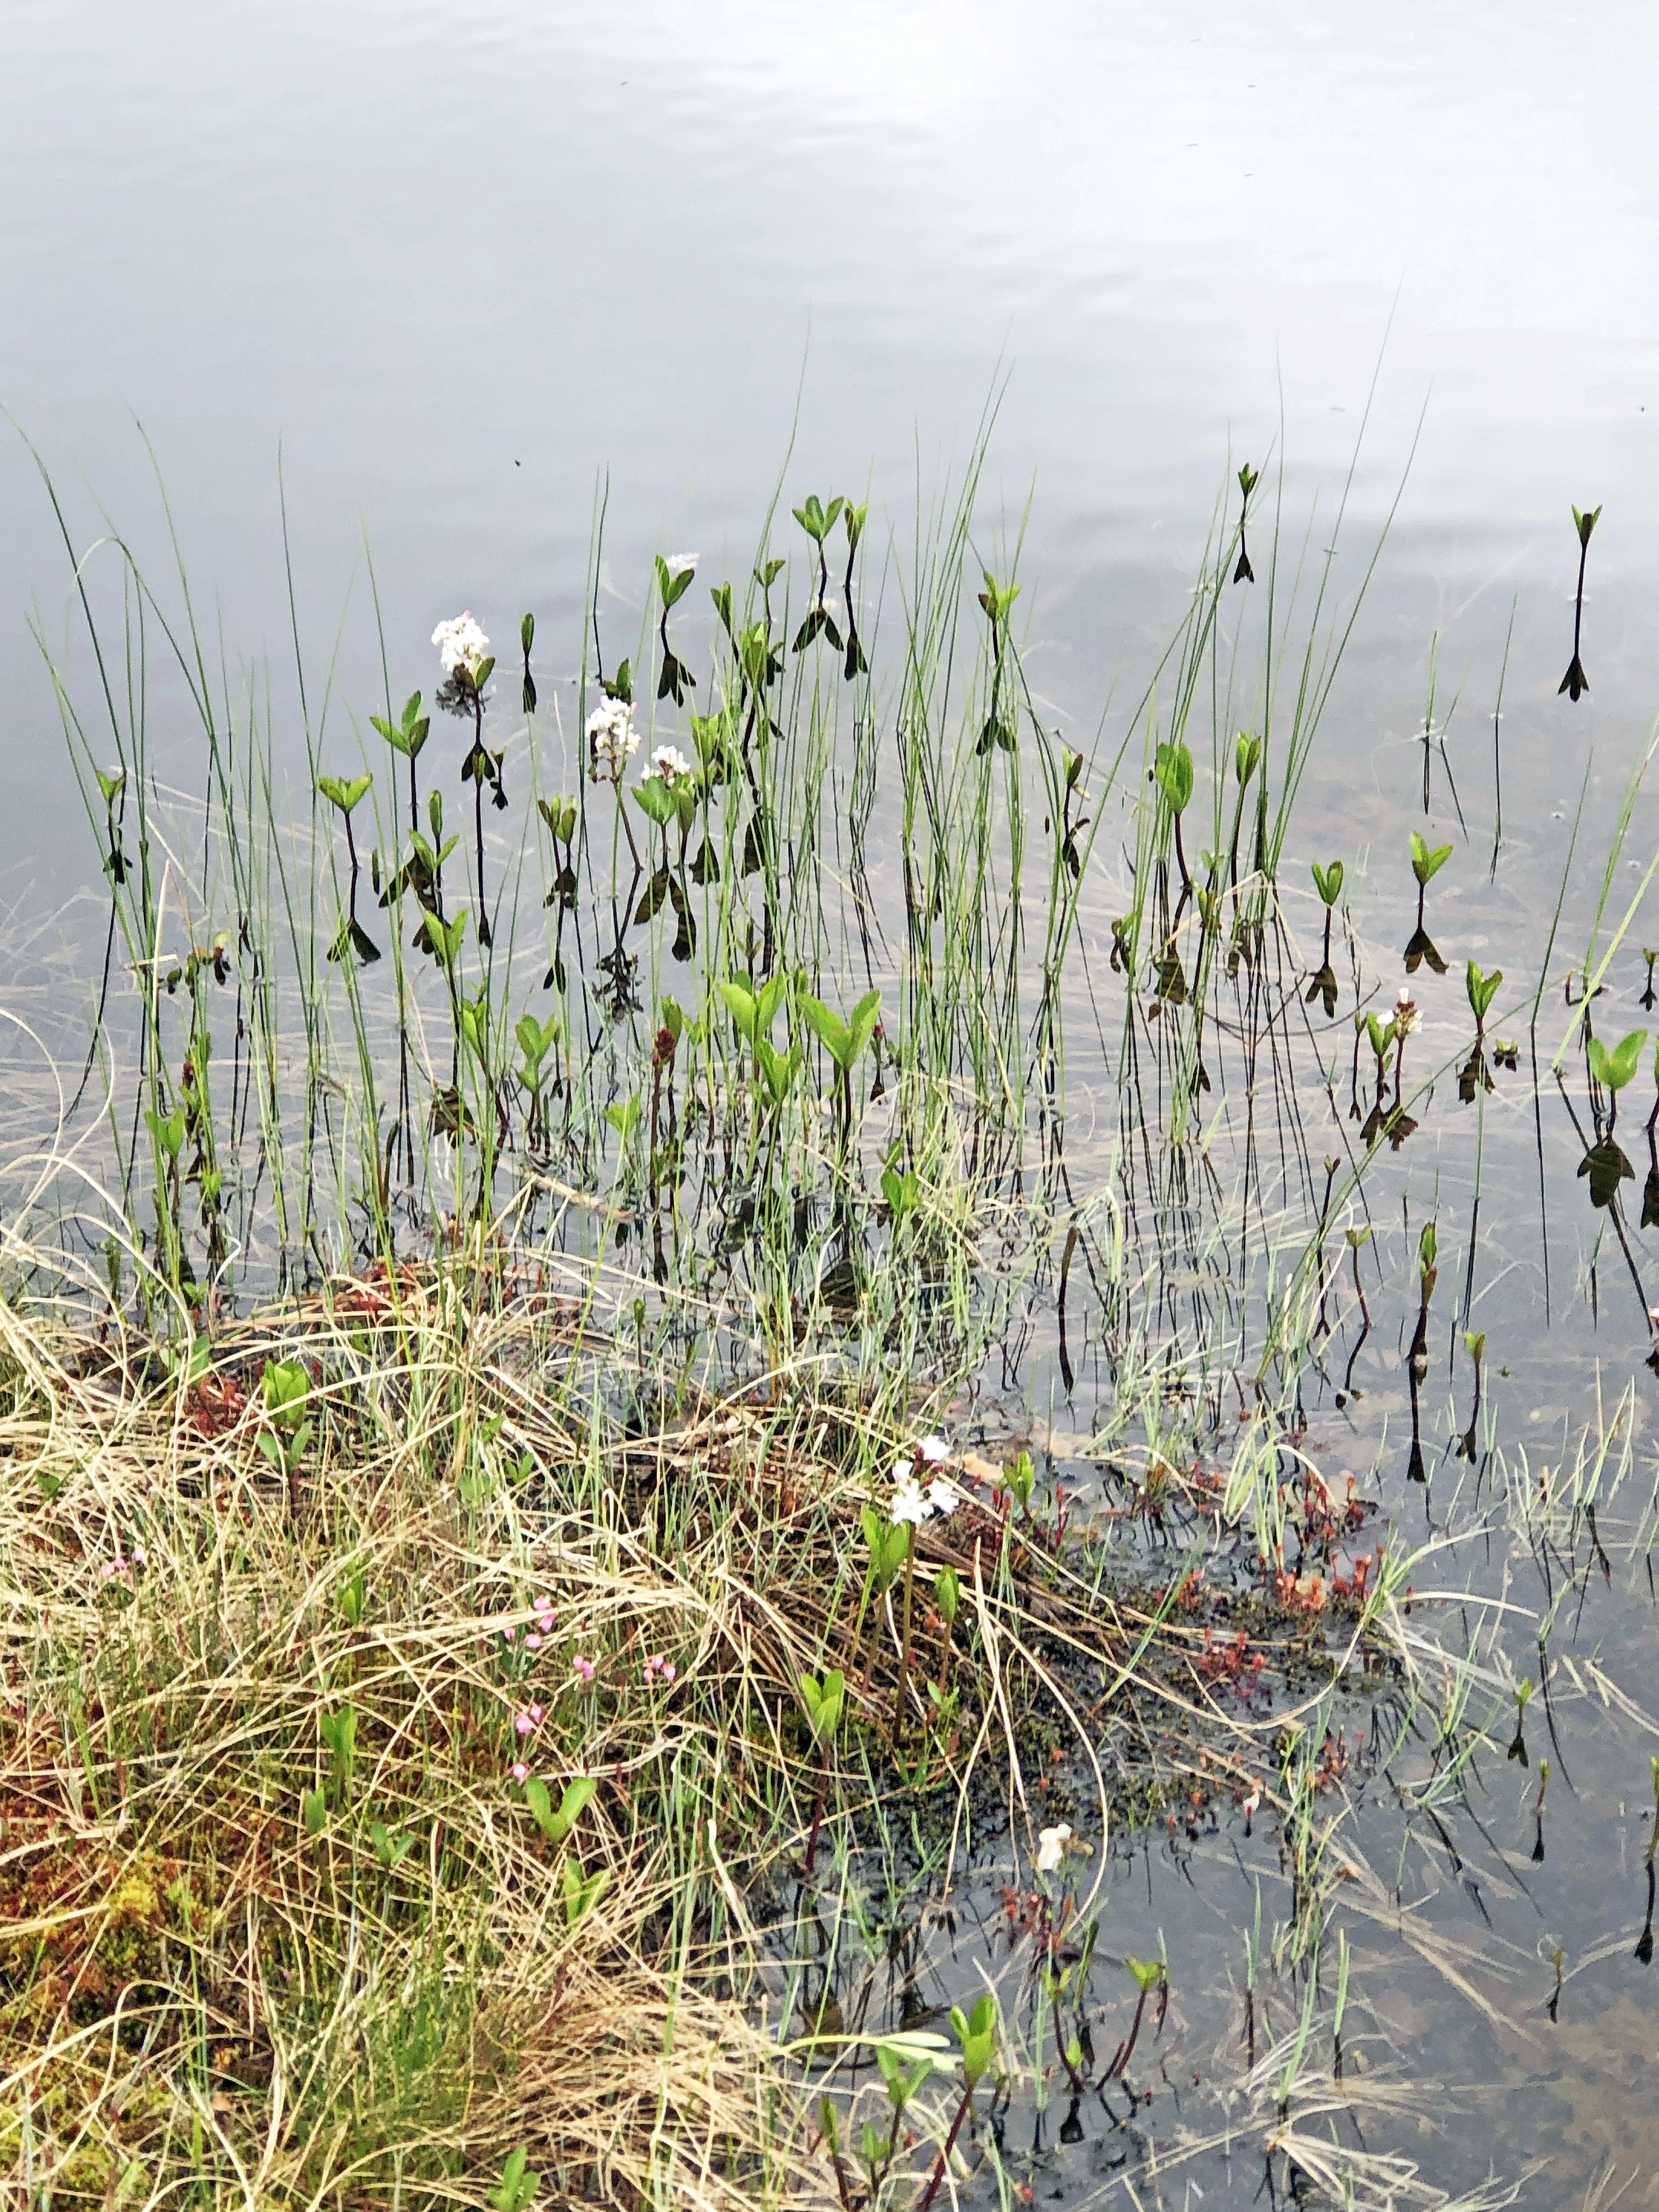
<point x="537" y="1714"/>
<point x="519" y="1771"/>
<point x="532" y="1641"/>
<point x="524" y="1724"/>
<point x="582" y="1667"/>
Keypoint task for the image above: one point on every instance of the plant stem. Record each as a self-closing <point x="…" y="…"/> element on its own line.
<point x="944" y="2158"/>
<point x="904" y="1650"/>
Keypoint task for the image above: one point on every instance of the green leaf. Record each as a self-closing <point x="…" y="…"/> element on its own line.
<point x="169" y="1133"/>
<point x="346" y="796"/>
<point x="779" y="1069"/>
<point x="582" y="1893"/>
<point x="285" y="1385"/>
<point x="1020" y="1474"/>
<point x="445" y="937"/>
<point x="535" y="1041"/>
<point x="1328" y="881"/>
<point x="831" y="1032"/>
<point x="862" y="1027"/>
<point x="844" y="1041"/>
<point x="1482" y="989"/>
<point x="517" y="2187"/>
<point x="314" y="1809"/>
<point x="1426" y="864"/>
<point x="339" y="1732"/>
<point x="1174" y="771"/>
<point x="740" y="1005"/>
<point x="555" y="1826"/>
<point x="1613" y="1070"/>
<point x="823" y="1701"/>
<point x="673" y="584"/>
<point x="998" y="600"/>
<point x="815" y="520"/>
<point x="1247" y="756"/>
<point x="655" y="801"/>
<point x="111" y="782"/>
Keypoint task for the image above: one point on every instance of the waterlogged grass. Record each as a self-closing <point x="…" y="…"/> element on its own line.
<point x="561" y="1647"/>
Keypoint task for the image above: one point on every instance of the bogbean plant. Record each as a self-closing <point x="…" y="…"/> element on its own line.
<point x="689" y="899"/>
<point x="708" y="857"/>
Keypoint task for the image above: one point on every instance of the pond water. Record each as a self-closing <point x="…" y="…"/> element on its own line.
<point x="466" y="266"/>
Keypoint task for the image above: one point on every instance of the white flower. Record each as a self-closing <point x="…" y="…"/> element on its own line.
<point x="670" y="764"/>
<point x="461" y="644"/>
<point x="613" y="740"/>
<point x="940" y="1495"/>
<point x="907" y="1504"/>
<point x="934" y="1451"/>
<point x="1051" y="1847"/>
<point x="1405" y="1016"/>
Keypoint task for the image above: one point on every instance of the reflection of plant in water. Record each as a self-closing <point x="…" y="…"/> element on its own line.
<point x="1518" y="1742"/>
<point x="1322" y="985"/>
<point x="844" y="1269"/>
<point x="1482" y="990"/>
<point x="1605" y="1161"/>
<point x="467" y="664"/>
<point x="998" y="599"/>
<point x="1248" y="480"/>
<point x="1645" y="1942"/>
<point x="1575" y="682"/>
<point x="674" y="678"/>
<point x="352" y="937"/>
<point x="1426" y="864"/>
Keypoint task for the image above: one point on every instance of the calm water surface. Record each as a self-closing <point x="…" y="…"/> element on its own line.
<point x="461" y="265"/>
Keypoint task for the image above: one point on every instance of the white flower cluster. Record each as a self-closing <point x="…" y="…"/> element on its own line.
<point x="670" y="764"/>
<point x="613" y="740"/>
<point x="1407" y="1019"/>
<point x="461" y="644"/>
<point x="910" y="1502"/>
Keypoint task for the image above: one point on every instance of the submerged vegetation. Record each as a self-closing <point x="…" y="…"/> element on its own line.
<point x="630" y="1500"/>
